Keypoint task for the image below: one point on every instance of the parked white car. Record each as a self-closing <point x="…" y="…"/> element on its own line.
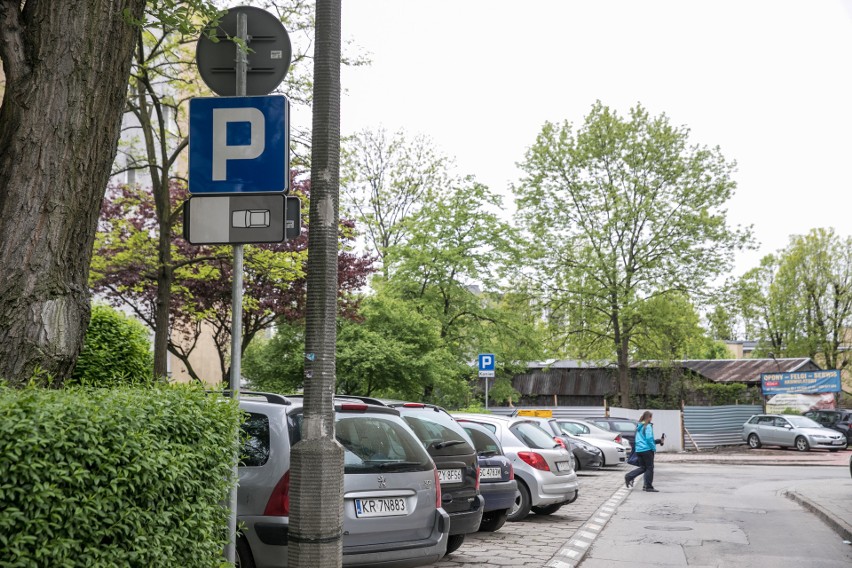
<point x="586" y="429"/>
<point x="612" y="452"/>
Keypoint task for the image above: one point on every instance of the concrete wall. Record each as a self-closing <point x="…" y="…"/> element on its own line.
<point x="665" y="422"/>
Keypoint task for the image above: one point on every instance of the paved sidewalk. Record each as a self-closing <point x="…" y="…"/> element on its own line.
<point x="561" y="540"/>
<point x="535" y="540"/>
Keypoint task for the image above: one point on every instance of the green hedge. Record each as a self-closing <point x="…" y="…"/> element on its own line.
<point x="129" y="477"/>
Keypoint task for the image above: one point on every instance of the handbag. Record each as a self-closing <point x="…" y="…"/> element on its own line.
<point x="634" y="459"/>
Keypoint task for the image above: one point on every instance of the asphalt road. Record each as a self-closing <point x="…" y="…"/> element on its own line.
<point x="720" y="512"/>
<point x="721" y="516"/>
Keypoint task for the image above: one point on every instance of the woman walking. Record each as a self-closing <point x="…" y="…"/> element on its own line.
<point x="645" y="446"/>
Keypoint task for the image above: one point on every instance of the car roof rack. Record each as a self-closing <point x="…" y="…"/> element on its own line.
<point x="364" y="399"/>
<point x="270" y="397"/>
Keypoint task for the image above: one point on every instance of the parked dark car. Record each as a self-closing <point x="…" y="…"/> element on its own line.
<point x="840" y="420"/>
<point x="497" y="483"/>
<point x="458" y="469"/>
<point x="624" y="426"/>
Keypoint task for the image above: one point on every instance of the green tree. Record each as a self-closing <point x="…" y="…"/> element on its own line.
<point x="116" y="351"/>
<point x="277" y="364"/>
<point x="453" y="269"/>
<point x="670" y="329"/>
<point x="620" y="212"/>
<point x="803" y="298"/>
<point x="388" y="178"/>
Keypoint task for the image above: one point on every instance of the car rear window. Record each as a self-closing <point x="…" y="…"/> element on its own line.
<point x="256" y="444"/>
<point x="628" y="427"/>
<point x="482" y="441"/>
<point x="533" y="436"/>
<point x="373" y="443"/>
<point x="435" y="428"/>
<point x="379" y="444"/>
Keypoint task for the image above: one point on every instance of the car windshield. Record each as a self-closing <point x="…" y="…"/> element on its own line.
<point x="533" y="436"/>
<point x="802" y="422"/>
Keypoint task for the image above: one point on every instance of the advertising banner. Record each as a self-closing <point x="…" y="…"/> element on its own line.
<point x="780" y="403"/>
<point x="806" y="382"/>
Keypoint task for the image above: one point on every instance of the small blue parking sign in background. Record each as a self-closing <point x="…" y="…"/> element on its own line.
<point x="239" y="144"/>
<point x="486" y="361"/>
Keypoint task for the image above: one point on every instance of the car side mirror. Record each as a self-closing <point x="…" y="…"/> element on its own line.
<point x="788" y="427"/>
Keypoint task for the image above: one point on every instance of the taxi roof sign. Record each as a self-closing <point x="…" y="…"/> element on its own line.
<point x="536" y="413"/>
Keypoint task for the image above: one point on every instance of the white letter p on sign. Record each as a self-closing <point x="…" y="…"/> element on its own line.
<point x="222" y="152"/>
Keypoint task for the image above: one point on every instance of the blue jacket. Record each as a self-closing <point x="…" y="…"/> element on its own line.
<point x="644" y="439"/>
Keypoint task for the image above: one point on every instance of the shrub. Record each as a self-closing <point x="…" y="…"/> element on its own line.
<point x="132" y="477"/>
<point x="116" y="351"/>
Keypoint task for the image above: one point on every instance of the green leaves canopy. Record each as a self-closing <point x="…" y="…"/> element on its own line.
<point x="621" y="211"/>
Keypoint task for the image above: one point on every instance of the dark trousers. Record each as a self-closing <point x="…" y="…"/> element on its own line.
<point x="646" y="466"/>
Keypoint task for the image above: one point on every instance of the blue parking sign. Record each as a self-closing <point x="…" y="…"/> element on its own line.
<point x="486" y="361"/>
<point x="239" y="144"/>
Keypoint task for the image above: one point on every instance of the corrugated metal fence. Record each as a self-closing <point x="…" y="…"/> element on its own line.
<point x="709" y="426"/>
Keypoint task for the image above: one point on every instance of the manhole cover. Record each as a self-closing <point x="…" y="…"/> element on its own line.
<point x="654" y="528"/>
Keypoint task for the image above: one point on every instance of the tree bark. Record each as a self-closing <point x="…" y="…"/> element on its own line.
<point x="66" y="66"/>
<point x="316" y="497"/>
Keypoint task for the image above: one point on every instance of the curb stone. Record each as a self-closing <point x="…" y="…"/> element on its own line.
<point x="836" y="524"/>
<point x="573" y="551"/>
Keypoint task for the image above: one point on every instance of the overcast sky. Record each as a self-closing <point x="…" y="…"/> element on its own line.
<point x="768" y="81"/>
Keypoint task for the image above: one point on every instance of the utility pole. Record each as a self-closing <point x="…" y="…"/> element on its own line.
<point x="316" y="473"/>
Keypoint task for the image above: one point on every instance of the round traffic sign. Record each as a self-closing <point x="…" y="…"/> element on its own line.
<point x="268" y="58"/>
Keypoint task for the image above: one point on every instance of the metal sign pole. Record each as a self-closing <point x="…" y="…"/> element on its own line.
<point x="486" y="393"/>
<point x="237" y="299"/>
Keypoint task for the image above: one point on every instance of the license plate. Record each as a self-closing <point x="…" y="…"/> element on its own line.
<point x="490" y="473"/>
<point x="563" y="466"/>
<point x="839" y="442"/>
<point x="450" y="475"/>
<point x="380" y="507"/>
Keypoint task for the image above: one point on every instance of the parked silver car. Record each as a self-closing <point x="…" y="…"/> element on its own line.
<point x="543" y="470"/>
<point x="392" y="497"/>
<point x="785" y="430"/>
<point x="612" y="452"/>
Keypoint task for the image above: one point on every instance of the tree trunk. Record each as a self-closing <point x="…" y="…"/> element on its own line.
<point x="622" y="355"/>
<point x="66" y="66"/>
<point x="316" y="497"/>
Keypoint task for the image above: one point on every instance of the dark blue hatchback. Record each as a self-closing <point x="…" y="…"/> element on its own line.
<point x="496" y="476"/>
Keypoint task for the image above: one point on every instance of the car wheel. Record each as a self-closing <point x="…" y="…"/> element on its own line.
<point x="493" y="520"/>
<point x="577" y="466"/>
<point x="454" y="542"/>
<point x="802" y="444"/>
<point x="244" y="558"/>
<point x="753" y="441"/>
<point x="546" y="509"/>
<point x="521" y="508"/>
